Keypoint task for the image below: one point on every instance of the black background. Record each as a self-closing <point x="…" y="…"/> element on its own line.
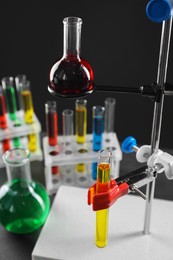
<point x="118" y="40"/>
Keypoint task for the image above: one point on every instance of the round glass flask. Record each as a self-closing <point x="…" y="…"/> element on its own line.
<point x="71" y="76"/>
<point x="24" y="203"/>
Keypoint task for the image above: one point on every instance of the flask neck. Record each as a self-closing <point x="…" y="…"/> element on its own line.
<point x="17" y="164"/>
<point x="72" y="37"/>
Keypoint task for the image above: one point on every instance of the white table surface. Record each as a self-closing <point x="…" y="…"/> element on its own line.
<point x="69" y="231"/>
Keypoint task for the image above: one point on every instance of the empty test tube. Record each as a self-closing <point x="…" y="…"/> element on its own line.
<point x="67" y="125"/>
<point x="109" y="114"/>
<point x="3" y="121"/>
<point x="81" y="120"/>
<point x="10" y="99"/>
<point x="102" y="185"/>
<point x="98" y="127"/>
<point x="52" y="126"/>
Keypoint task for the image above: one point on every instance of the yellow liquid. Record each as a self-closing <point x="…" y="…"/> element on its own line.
<point x="102" y="216"/>
<point x="32" y="142"/>
<point x="81" y="123"/>
<point x="81" y="167"/>
<point x="102" y="227"/>
<point x="28" y="106"/>
<point x="29" y="114"/>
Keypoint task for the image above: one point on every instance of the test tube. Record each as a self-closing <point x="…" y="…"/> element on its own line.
<point x="52" y="127"/>
<point x="109" y="114"/>
<point x="67" y="125"/>
<point x="10" y="98"/>
<point x="51" y="122"/>
<point x="81" y="120"/>
<point x="98" y="127"/>
<point x="27" y="105"/>
<point x="3" y="121"/>
<point x="102" y="185"/>
<point x="20" y="81"/>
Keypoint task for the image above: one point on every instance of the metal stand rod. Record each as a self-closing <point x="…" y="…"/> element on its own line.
<point x="119" y="89"/>
<point x="158" y="109"/>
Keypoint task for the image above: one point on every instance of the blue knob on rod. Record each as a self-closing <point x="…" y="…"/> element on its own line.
<point x="128" y="144"/>
<point x="159" y="10"/>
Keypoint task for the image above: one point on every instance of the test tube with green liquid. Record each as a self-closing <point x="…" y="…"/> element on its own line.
<point x="10" y="98"/>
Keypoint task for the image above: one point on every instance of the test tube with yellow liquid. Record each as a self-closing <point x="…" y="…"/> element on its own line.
<point x="81" y="128"/>
<point x="81" y="120"/>
<point x="29" y="114"/>
<point x="102" y="185"/>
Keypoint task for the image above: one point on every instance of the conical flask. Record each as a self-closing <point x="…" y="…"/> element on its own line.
<point x="24" y="204"/>
<point x="71" y="76"/>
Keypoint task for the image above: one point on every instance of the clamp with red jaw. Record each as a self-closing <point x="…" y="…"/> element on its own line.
<point x="118" y="188"/>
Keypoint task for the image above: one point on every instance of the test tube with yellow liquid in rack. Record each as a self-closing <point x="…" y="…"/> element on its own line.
<point x="102" y="185"/>
<point x="81" y="120"/>
<point x="28" y="114"/>
<point x="81" y="127"/>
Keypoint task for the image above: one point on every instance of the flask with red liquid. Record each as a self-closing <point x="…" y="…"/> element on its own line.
<point x="71" y="76"/>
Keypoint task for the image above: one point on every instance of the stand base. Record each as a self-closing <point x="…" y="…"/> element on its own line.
<point x="69" y="231"/>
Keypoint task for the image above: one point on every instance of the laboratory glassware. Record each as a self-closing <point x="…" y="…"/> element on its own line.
<point x="52" y="128"/>
<point x="98" y="127"/>
<point x="20" y="81"/>
<point x="11" y="103"/>
<point x="71" y="75"/>
<point x="67" y="125"/>
<point x="102" y="185"/>
<point x="24" y="203"/>
<point x="28" y="109"/>
<point x="51" y="122"/>
<point x="3" y="121"/>
<point x="81" y="120"/>
<point x="110" y="103"/>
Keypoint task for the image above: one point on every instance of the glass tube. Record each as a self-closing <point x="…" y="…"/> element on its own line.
<point x="10" y="96"/>
<point x="98" y="127"/>
<point x="52" y="127"/>
<point x="27" y="105"/>
<point x="24" y="204"/>
<point x="20" y="81"/>
<point x="3" y="121"/>
<point x="67" y="125"/>
<point x="81" y="120"/>
<point x="27" y="102"/>
<point x="10" y="99"/>
<point x="94" y="171"/>
<point x="51" y="122"/>
<point x="109" y="114"/>
<point x="102" y="185"/>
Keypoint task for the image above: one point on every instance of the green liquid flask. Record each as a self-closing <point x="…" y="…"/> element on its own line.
<point x="24" y="203"/>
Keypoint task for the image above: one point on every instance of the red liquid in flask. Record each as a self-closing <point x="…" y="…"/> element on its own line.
<point x="71" y="77"/>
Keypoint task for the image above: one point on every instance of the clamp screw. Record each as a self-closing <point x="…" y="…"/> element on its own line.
<point x="133" y="188"/>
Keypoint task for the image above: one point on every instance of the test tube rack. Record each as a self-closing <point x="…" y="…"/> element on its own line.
<point x="22" y="130"/>
<point x="68" y="157"/>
